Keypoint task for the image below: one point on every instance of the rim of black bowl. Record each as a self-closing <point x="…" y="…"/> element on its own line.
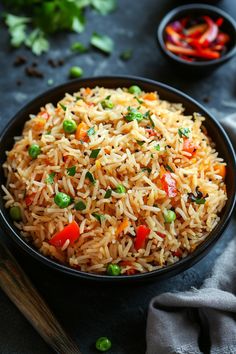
<point x="121" y="81"/>
<point x="177" y="11"/>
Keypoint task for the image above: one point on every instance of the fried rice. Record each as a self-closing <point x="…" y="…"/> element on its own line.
<point x="144" y="181"/>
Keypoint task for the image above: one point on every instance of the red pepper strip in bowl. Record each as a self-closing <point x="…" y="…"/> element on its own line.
<point x="204" y="53"/>
<point x="70" y="232"/>
<point x="142" y="234"/>
<point x="211" y="33"/>
<point x="169" y="185"/>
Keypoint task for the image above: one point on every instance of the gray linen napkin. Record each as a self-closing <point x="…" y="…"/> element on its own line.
<point x="175" y="320"/>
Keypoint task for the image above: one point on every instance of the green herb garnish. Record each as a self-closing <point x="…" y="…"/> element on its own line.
<point x="102" y="42"/>
<point x="99" y="217"/>
<point x="184" y="132"/>
<point x="104" y="7"/>
<point x="94" y="153"/>
<point x="133" y="114"/>
<point x="108" y="193"/>
<point x="138" y="99"/>
<point x="80" y="205"/>
<point x="120" y="189"/>
<point x="157" y="147"/>
<point x="91" y="131"/>
<point x="71" y="171"/>
<point x="48" y="17"/>
<point x="148" y="116"/>
<point x="140" y="142"/>
<point x="200" y="201"/>
<point x="169" y="168"/>
<point x="107" y="103"/>
<point x="149" y="170"/>
<point x="90" y="177"/>
<point x="62" y="106"/>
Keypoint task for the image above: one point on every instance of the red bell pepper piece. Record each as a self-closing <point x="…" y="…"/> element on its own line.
<point x="177" y="253"/>
<point x="169" y="185"/>
<point x="29" y="199"/>
<point x="204" y="53"/>
<point x="70" y="232"/>
<point x="189" y="147"/>
<point x="151" y="132"/>
<point x="142" y="234"/>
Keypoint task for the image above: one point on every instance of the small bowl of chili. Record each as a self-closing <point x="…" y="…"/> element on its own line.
<point x="199" y="37"/>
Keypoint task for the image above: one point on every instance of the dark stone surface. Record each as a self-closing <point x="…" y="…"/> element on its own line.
<point x="86" y="310"/>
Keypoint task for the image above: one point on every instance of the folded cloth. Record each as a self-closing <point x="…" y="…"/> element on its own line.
<point x="198" y="321"/>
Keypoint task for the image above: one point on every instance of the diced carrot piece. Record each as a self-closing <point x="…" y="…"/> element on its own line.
<point x="151" y="96"/>
<point x="122" y="226"/>
<point x="81" y="132"/>
<point x="88" y="90"/>
<point x="39" y="123"/>
<point x="220" y="170"/>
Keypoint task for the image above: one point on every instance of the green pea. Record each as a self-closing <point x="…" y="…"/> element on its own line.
<point x="69" y="126"/>
<point x="62" y="200"/>
<point x="103" y="344"/>
<point x="107" y="104"/>
<point x="34" y="150"/>
<point x="120" y="189"/>
<point x="113" y="269"/>
<point x="136" y="90"/>
<point x="76" y="71"/>
<point x="169" y="216"/>
<point x="15" y="213"/>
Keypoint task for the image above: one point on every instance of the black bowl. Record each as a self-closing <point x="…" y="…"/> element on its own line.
<point x="229" y="27"/>
<point x="223" y="144"/>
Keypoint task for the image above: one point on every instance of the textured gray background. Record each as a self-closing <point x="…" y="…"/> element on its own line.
<point x="88" y="310"/>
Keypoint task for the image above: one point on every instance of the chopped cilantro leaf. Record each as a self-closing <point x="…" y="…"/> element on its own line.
<point x="71" y="171"/>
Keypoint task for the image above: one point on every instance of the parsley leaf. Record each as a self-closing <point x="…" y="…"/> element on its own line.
<point x="17" y="29"/>
<point x="104" y="7"/>
<point x="102" y="42"/>
<point x="37" y="42"/>
<point x="157" y="147"/>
